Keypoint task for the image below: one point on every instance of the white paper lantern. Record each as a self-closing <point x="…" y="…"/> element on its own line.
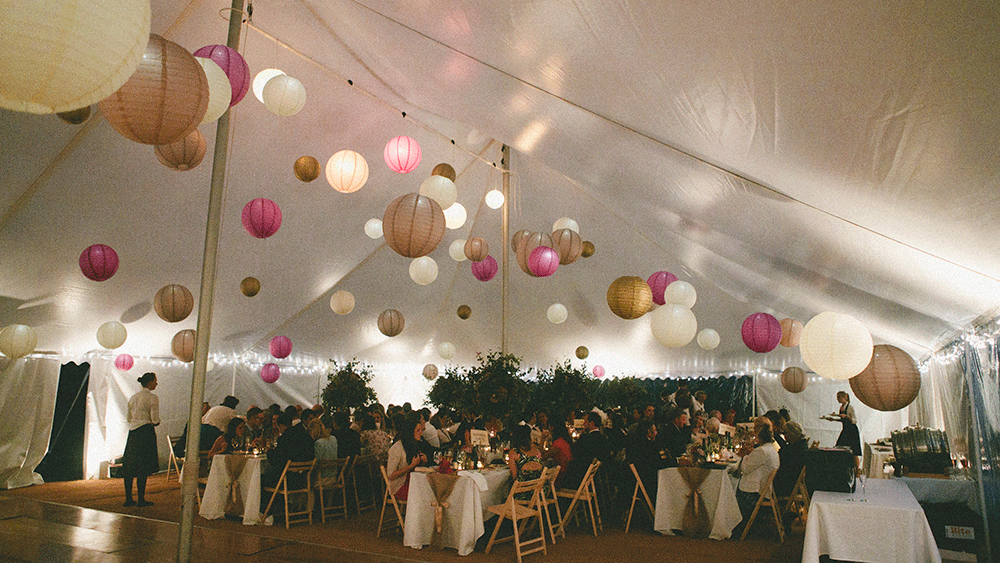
<point x="260" y="81"/>
<point x="557" y="313"/>
<point x="220" y="90"/>
<point x="708" y="339"/>
<point x="342" y="302"/>
<point x="836" y="346"/>
<point x="681" y="293"/>
<point x="423" y="270"/>
<point x="673" y="325"/>
<point x="457" y="250"/>
<point x="454" y="216"/>
<point x="440" y="189"/>
<point x="284" y="95"/>
<point x="430" y="372"/>
<point x="209" y="365"/>
<point x="17" y="341"/>
<point x="111" y="335"/>
<point x="373" y="228"/>
<point x="494" y="199"/>
<point x="446" y="350"/>
<point x="346" y="171"/>
<point x="566" y="223"/>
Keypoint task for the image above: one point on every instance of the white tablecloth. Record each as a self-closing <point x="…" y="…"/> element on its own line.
<point x="717" y="491"/>
<point x="213" y="502"/>
<point x="874" y="460"/>
<point x="889" y="528"/>
<point x="931" y="490"/>
<point x="463" y="518"/>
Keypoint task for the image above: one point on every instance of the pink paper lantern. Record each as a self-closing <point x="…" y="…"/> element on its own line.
<point x="124" y="362"/>
<point x="261" y="217"/>
<point x="402" y="154"/>
<point x="233" y="64"/>
<point x="761" y="332"/>
<point x="281" y="346"/>
<point x="658" y="282"/>
<point x="270" y="373"/>
<point x="543" y="261"/>
<point x="99" y="262"/>
<point x="598" y="371"/>
<point x="485" y="269"/>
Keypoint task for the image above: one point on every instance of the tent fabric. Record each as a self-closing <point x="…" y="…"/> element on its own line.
<point x="27" y="401"/>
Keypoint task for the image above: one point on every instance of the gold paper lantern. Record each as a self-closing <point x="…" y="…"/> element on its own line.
<point x="794" y="379"/>
<point x="629" y="297"/>
<point x="413" y="225"/>
<point x="250" y="286"/>
<point x="890" y="382"/>
<point x="184" y="154"/>
<point x="517" y="238"/>
<point x="444" y="169"/>
<point x="173" y="303"/>
<point x="164" y="100"/>
<point x="568" y="244"/>
<point x="347" y="171"/>
<point x="588" y="249"/>
<point x="582" y="352"/>
<point x="17" y="341"/>
<point x="76" y="116"/>
<point x="464" y="312"/>
<point x="527" y="245"/>
<point x="476" y="249"/>
<point x="183" y="345"/>
<point x="306" y="168"/>
<point x="390" y="322"/>
<point x="791" y="332"/>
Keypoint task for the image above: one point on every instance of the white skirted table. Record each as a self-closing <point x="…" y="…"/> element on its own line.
<point x="875" y="457"/>
<point x="885" y="524"/>
<point x="717" y="491"/>
<point x="234" y="486"/>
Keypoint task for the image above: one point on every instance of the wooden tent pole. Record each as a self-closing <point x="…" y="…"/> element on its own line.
<point x="504" y="237"/>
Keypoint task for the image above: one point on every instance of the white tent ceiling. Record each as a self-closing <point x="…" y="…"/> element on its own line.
<point x="791" y="158"/>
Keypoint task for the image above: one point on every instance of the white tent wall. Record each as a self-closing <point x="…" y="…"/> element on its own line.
<point x="27" y="401"/>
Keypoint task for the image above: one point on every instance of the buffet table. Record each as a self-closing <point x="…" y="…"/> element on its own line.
<point x="717" y="491"/>
<point x="875" y="457"/>
<point x="233" y="485"/>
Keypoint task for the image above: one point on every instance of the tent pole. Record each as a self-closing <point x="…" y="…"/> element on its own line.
<point x="504" y="236"/>
<point x="204" y="330"/>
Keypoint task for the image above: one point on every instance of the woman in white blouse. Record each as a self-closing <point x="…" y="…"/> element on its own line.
<point x="140" y="459"/>
<point x="405" y="455"/>
<point x="755" y="467"/>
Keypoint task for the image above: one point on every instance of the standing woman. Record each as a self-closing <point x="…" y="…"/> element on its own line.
<point x="849" y="436"/>
<point x="140" y="459"/>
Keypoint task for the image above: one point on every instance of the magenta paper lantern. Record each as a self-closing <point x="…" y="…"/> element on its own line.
<point x="124" y="362"/>
<point x="598" y="371"/>
<point x="233" y="64"/>
<point x="99" y="262"/>
<point x="761" y="332"/>
<point x="658" y="282"/>
<point x="281" y="346"/>
<point x="270" y="373"/>
<point x="261" y="217"/>
<point x="543" y="261"/>
<point x="402" y="154"/>
<point x="485" y="269"/>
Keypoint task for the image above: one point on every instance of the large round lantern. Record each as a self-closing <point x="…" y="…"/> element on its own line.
<point x="17" y="341"/>
<point x="791" y="332"/>
<point x="124" y="362"/>
<point x="390" y="322"/>
<point x="658" y="283"/>
<point x="543" y="261"/>
<point x="528" y="245"/>
<point x="183" y="345"/>
<point x="173" y="303"/>
<point x="464" y="312"/>
<point x="281" y="346"/>
<point x="446" y="170"/>
<point x="457" y="250"/>
<point x="761" y="332"/>
<point x="62" y="55"/>
<point x="164" y="100"/>
<point x="260" y="80"/>
<point x="629" y="297"/>
<point x="306" y="168"/>
<point x="565" y="223"/>
<point x="250" y="286"/>
<point x="476" y="249"/>
<point x="270" y="372"/>
<point x="220" y="92"/>
<point x="890" y="382"/>
<point x="708" y="339"/>
<point x="111" y="335"/>
<point x="569" y="245"/>
<point x="373" y="228"/>
<point x="681" y="293"/>
<point x="402" y="154"/>
<point x="430" y="372"/>
<point x="446" y="350"/>
<point x="99" y="262"/>
<point x="184" y="154"/>
<point x="342" y="302"/>
<point x="517" y="237"/>
<point x="346" y="171"/>
<point x="673" y="325"/>
<point x="413" y="225"/>
<point x="582" y="352"/>
<point x="835" y="346"/>
<point x="485" y="269"/>
<point x="794" y="379"/>
<point x="455" y="216"/>
<point x="233" y="64"/>
<point x="588" y="249"/>
<point x="440" y="189"/>
<point x="76" y="116"/>
<point x="284" y="95"/>
<point x="557" y="313"/>
<point x="261" y="217"/>
<point x="423" y="270"/>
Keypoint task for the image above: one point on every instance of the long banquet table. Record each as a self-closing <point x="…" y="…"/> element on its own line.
<point x="233" y="476"/>
<point x="717" y="491"/>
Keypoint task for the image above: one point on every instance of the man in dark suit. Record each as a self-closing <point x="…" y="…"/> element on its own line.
<point x="348" y="439"/>
<point x="589" y="446"/>
<point x="676" y="434"/>
<point x="294" y="444"/>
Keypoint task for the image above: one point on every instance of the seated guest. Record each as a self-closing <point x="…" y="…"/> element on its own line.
<point x="524" y="461"/>
<point x="698" y="433"/>
<point x="617" y="440"/>
<point x="293" y="444"/>
<point x="648" y="457"/>
<point x="699" y="400"/>
<point x="730" y="417"/>
<point x="755" y="466"/>
<point x="348" y="441"/>
<point x="255" y="423"/>
<point x="776" y="427"/>
<point x="793" y="459"/>
<point x="220" y="415"/>
<point x="206" y="439"/>
<point x="560" y="451"/>
<point x="405" y="455"/>
<point x="544" y="434"/>
<point x="441" y="422"/>
<point x="233" y="440"/>
<point x="589" y="446"/>
<point x="374" y="440"/>
<point x="324" y="443"/>
<point x="713" y="422"/>
<point x="430" y="431"/>
<point x="676" y="434"/>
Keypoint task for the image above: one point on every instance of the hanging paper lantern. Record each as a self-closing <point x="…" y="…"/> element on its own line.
<point x="124" y="362"/>
<point x="220" y="91"/>
<point x="260" y="80"/>
<point x="557" y="313"/>
<point x="62" y="55"/>
<point x="209" y="365"/>
<point x="708" y="339"/>
<point x="476" y="249"/>
<point x="543" y="261"/>
<point x="373" y="228"/>
<point x="681" y="293"/>
<point x="518" y="237"/>
<point x="99" y="262"/>
<point x="402" y="154"/>
<point x="588" y="249"/>
<point x="464" y="312"/>
<point x="791" y="332"/>
<point x="430" y="372"/>
<point x="446" y="170"/>
<point x="629" y="297"/>
<point x="494" y="199"/>
<point x="17" y="341"/>
<point x="455" y="216"/>
<point x="673" y="325"/>
<point x="306" y="168"/>
<point x="164" y="100"/>
<point x="485" y="269"/>
<point x="423" y="270"/>
<point x="565" y="223"/>
<point x="270" y="373"/>
<point x="582" y="352"/>
<point x="342" y="302"/>
<point x="835" y="345"/>
<point x="281" y="346"/>
<point x="446" y="350"/>
<point x="390" y="322"/>
<point x="233" y="65"/>
<point x="76" y="116"/>
<point x="250" y="286"/>
<point x="457" y="250"/>
<point x="284" y="95"/>
<point x="413" y="225"/>
<point x="111" y="335"/>
<point x="183" y="345"/>
<point x="568" y="244"/>
<point x="598" y="371"/>
<point x="528" y="245"/>
<point x="261" y="217"/>
<point x="440" y="189"/>
<point x="761" y="332"/>
<point x="794" y="379"/>
<point x="173" y="303"/>
<point x="182" y="155"/>
<point x="890" y="382"/>
<point x="658" y="282"/>
<point x="346" y="171"/>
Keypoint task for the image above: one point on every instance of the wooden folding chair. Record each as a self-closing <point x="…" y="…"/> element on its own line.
<point x="388" y="499"/>
<point x="798" y="499"/>
<point x="549" y="498"/>
<point x="330" y="478"/>
<point x="767" y="498"/>
<point x="365" y="464"/>
<point x="173" y="462"/>
<point x="635" y="496"/>
<point x="520" y="513"/>
<point x="586" y="493"/>
<point x="303" y="468"/>
<point x="204" y="466"/>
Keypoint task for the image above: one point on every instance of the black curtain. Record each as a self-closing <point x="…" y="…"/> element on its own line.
<point x="64" y="460"/>
<point x="724" y="393"/>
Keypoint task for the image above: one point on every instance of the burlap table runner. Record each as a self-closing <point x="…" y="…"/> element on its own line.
<point x="442" y="486"/>
<point x="695" y="523"/>
<point x="234" y="468"/>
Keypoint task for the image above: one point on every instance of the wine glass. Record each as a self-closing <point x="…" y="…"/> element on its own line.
<point x="864" y="480"/>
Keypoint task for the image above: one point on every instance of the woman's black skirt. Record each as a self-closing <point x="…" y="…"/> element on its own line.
<point x="141" y="458"/>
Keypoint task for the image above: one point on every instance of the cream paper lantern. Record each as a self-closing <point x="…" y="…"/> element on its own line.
<point x="111" y="335"/>
<point x="284" y="95"/>
<point x="494" y="199"/>
<point x="423" y="270"/>
<point x="446" y="350"/>
<point x="220" y="90"/>
<point x="836" y="346"/>
<point x="708" y="339"/>
<point x="347" y="171"/>
<point x="373" y="228"/>
<point x="457" y="250"/>
<point x="681" y="293"/>
<point x="17" y="341"/>
<point x="440" y="189"/>
<point x="342" y="302"/>
<point x="455" y="216"/>
<point x="430" y="372"/>
<point x="62" y="55"/>
<point x="566" y="223"/>
<point x="557" y="313"/>
<point x="673" y="325"/>
<point x="260" y="80"/>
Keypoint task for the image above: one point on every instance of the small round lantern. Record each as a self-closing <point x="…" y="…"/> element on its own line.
<point x="440" y="189"/>
<point x="446" y="170"/>
<point x="111" y="335"/>
<point x="464" y="312"/>
<point x="306" y="168"/>
<point x="342" y="302"/>
<point x="566" y="223"/>
<point x="598" y="371"/>
<point x="528" y="245"/>
<point x="455" y="216"/>
<point x="890" y="382"/>
<point x="220" y="91"/>
<point x="485" y="269"/>
<point x="791" y="332"/>
<point x="173" y="303"/>
<point x="494" y="199"/>
<point x="99" y="262"/>
<point x="250" y="286"/>
<point x="582" y="352"/>
<point x="430" y="372"/>
<point x="270" y="373"/>
<point x="346" y="171"/>
<point x="457" y="250"/>
<point x="76" y="116"/>
<point x="423" y="270"/>
<point x="124" y="362"/>
<point x="373" y="228"/>
<point x="557" y="313"/>
<point x="446" y="350"/>
<point x="708" y="339"/>
<point x="518" y="237"/>
<point x="233" y="64"/>
<point x="673" y="325"/>
<point x="182" y="155"/>
<point x="413" y="225"/>
<point x="284" y="95"/>
<point x="588" y="249"/>
<point x="569" y="245"/>
<point x="390" y="322"/>
<point x="183" y="345"/>
<point x="794" y="379"/>
<point x="17" y="341"/>
<point x="261" y="217"/>
<point x="281" y="346"/>
<point x="761" y="332"/>
<point x="543" y="261"/>
<point x="402" y="154"/>
<point x="681" y="293"/>
<point x="629" y="297"/>
<point x="476" y="249"/>
<point x="835" y="346"/>
<point x="260" y="80"/>
<point x="658" y="283"/>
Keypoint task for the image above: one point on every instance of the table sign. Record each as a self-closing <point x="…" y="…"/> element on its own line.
<point x="479" y="437"/>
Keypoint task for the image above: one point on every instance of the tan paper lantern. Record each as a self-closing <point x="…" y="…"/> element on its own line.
<point x="347" y="171"/>
<point x="835" y="346"/>
<point x="629" y="297"/>
<point x="164" y="100"/>
<point x="250" y="286"/>
<point x="582" y="352"/>
<point x="518" y="237"/>
<point x="76" y="116"/>
<point x="220" y="89"/>
<point x="183" y="345"/>
<point x="342" y="302"/>
<point x="61" y="55"/>
<point x="17" y="341"/>
<point x="390" y="322"/>
<point x="568" y="244"/>
<point x="527" y="245"/>
<point x="476" y="249"/>
<point x="111" y="335"/>
<point x="184" y="154"/>
<point x="794" y="379"/>
<point x="588" y="249"/>
<point x="464" y="312"/>
<point x="306" y="168"/>
<point x="890" y="382"/>
<point x="173" y="303"/>
<point x="791" y="332"/>
<point x="413" y="225"/>
<point x="430" y="372"/>
<point x="444" y="169"/>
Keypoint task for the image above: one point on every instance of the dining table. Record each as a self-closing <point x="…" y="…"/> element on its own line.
<point x="875" y="458"/>
<point x="718" y="491"/>
<point x="233" y="487"/>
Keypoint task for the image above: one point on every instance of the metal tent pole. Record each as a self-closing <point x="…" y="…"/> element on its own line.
<point x="505" y="236"/>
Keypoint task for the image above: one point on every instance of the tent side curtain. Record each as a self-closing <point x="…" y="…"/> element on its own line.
<point x="27" y="401"/>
